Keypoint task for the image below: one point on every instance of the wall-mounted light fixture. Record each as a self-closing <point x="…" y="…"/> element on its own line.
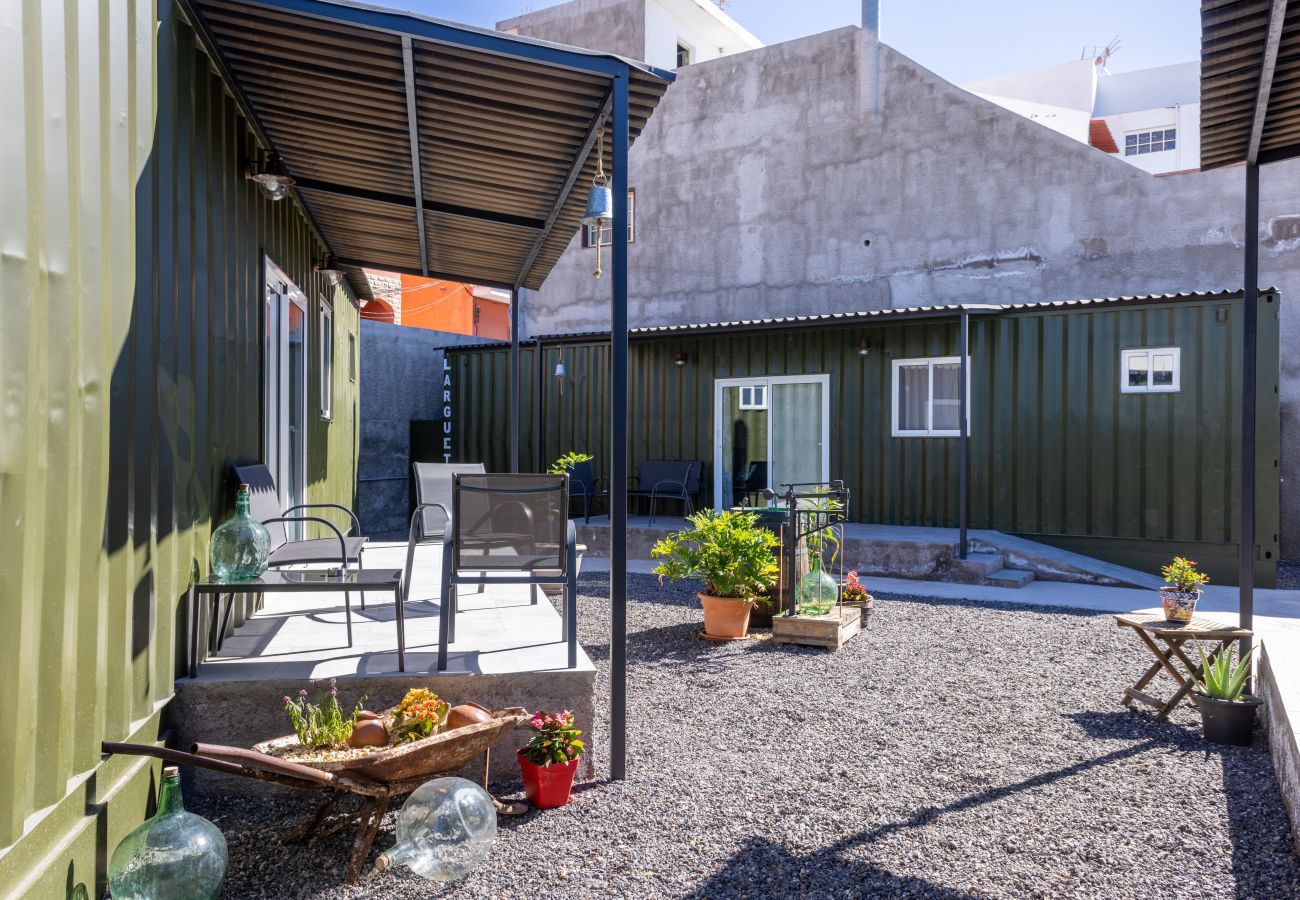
<point x="273" y="179"/>
<point x="864" y="347"/>
<point x="331" y="270"/>
<point x="680" y="358"/>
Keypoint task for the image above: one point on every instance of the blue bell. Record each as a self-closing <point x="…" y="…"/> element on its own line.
<point x="600" y="206"/>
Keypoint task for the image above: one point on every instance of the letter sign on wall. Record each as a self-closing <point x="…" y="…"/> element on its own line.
<point x="446" y="410"/>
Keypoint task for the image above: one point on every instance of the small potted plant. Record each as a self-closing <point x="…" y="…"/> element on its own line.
<point x="1227" y="712"/>
<point x="854" y="593"/>
<point x="1179" y="599"/>
<point x="732" y="554"/>
<point x="421" y="714"/>
<point x="550" y="760"/>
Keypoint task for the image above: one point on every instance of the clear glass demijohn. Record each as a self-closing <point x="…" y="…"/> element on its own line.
<point x="241" y="545"/>
<point x="175" y="855"/>
<point x="816" y="593"/>
<point x="444" y="830"/>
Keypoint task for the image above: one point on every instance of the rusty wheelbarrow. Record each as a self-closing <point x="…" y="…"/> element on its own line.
<point x="377" y="778"/>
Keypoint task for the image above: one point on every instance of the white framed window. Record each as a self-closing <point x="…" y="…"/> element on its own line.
<point x="352" y="357"/>
<point x="1150" y="370"/>
<point x="753" y="396"/>
<point x="326" y="360"/>
<point x="684" y="54"/>
<point x="589" y="232"/>
<point x="1150" y="141"/>
<point x="926" y="398"/>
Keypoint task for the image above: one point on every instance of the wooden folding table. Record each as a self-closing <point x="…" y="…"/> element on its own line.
<point x="1155" y="630"/>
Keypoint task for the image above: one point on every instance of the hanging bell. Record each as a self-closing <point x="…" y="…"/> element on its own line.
<point x="600" y="206"/>
<point x="560" y="371"/>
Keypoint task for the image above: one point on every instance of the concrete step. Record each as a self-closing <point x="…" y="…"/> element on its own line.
<point x="978" y="565"/>
<point x="1016" y="578"/>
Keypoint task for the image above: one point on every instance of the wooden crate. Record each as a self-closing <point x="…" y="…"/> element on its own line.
<point x="830" y="630"/>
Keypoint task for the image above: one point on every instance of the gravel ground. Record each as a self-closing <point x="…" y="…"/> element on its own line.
<point x="953" y="750"/>
<point x="1288" y="575"/>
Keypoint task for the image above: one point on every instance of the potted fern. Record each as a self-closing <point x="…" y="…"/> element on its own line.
<point x="732" y="554"/>
<point x="1227" y="712"/>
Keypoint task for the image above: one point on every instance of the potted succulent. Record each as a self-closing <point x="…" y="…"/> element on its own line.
<point x="1179" y="599"/>
<point x="1227" y="712"/>
<point x="550" y="760"/>
<point x="732" y="554"/>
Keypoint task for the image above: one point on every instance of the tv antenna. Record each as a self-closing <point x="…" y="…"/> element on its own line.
<point x="1101" y="55"/>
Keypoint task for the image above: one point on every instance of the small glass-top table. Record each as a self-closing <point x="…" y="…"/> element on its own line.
<point x="278" y="581"/>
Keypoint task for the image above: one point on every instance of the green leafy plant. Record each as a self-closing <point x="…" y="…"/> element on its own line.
<point x="1220" y="680"/>
<point x="818" y="541"/>
<point x="322" y="724"/>
<point x="565" y="463"/>
<point x="420" y="714"/>
<point x="728" y="551"/>
<point x="1182" y="574"/>
<point x="555" y="740"/>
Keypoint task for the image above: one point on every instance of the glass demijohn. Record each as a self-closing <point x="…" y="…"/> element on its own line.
<point x="444" y="830"/>
<point x="241" y="545"/>
<point x="175" y="855"/>
<point x="816" y="592"/>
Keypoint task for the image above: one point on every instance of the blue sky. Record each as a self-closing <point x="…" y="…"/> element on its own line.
<point x="962" y="40"/>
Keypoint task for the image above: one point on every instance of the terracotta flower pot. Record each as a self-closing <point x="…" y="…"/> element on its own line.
<point x="1179" y="606"/>
<point x="725" y="617"/>
<point x="547" y="787"/>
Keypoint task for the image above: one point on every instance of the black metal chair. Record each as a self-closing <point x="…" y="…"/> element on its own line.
<point x="584" y="483"/>
<point x="662" y="479"/>
<point x="509" y="529"/>
<point x="432" y="510"/>
<point x="264" y="505"/>
<point x="749" y="485"/>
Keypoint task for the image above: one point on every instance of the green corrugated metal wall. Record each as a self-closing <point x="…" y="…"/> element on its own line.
<point x="130" y="360"/>
<point x="1057" y="450"/>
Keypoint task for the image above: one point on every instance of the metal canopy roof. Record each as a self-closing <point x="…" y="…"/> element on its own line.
<point x="422" y="146"/>
<point x="1250" y="81"/>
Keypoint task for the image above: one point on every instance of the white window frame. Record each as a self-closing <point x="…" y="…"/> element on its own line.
<point x="690" y="53"/>
<point x="1150" y="387"/>
<point x="606" y="239"/>
<point x="757" y="396"/>
<point x="931" y="362"/>
<point x="326" y="320"/>
<point x="1165" y="142"/>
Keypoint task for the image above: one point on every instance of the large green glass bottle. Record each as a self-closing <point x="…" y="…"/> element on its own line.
<point x="175" y="855"/>
<point x="241" y="545"/>
<point x="816" y="593"/>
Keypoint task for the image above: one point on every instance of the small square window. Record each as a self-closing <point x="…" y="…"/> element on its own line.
<point x="1150" y="370"/>
<point x="753" y="397"/>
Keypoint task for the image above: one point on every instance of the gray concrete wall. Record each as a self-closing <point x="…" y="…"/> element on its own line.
<point x="612" y="26"/>
<point x="401" y="380"/>
<point x="763" y="174"/>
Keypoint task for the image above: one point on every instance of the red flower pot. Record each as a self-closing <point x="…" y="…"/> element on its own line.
<point x="547" y="787"/>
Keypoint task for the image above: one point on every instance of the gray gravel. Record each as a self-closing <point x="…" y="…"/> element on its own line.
<point x="1288" y="575"/>
<point x="953" y="750"/>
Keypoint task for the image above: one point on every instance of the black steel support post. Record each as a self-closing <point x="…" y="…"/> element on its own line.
<point x="1250" y="339"/>
<point x="539" y="382"/>
<point x="963" y="411"/>
<point x="514" y="380"/>
<point x="618" y="440"/>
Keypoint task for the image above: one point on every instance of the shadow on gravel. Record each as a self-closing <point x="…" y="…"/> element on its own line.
<point x="1133" y="725"/>
<point x="764" y="869"/>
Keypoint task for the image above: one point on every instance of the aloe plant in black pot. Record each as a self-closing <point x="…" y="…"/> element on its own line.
<point x="1227" y="712"/>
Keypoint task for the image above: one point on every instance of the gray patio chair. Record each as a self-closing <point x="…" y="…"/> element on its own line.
<point x="664" y="479"/>
<point x="584" y="483"/>
<point x="264" y="505"/>
<point x="432" y="508"/>
<point x="509" y="529"/>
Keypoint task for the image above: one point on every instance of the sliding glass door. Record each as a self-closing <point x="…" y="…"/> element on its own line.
<point x="769" y="432"/>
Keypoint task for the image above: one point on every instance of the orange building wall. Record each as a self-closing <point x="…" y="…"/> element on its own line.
<point x="444" y="306"/>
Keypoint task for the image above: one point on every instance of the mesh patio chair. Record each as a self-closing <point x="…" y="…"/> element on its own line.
<point x="264" y="505"/>
<point x="668" y="479"/>
<point x="432" y="508"/>
<point x="509" y="529"/>
<point x="584" y="483"/>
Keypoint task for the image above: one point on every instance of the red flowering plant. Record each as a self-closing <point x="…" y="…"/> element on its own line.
<point x="853" y="590"/>
<point x="555" y="741"/>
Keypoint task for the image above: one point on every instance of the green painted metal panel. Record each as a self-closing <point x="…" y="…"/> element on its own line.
<point x="130" y="380"/>
<point x="1057" y="450"/>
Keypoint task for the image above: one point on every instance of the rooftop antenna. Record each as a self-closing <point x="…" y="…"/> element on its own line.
<point x="1100" y="56"/>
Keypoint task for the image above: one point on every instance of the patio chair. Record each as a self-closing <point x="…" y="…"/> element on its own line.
<point x="509" y="529"/>
<point x="432" y="510"/>
<point x="662" y="479"/>
<point x="584" y="483"/>
<point x="749" y="485"/>
<point x="264" y="505"/>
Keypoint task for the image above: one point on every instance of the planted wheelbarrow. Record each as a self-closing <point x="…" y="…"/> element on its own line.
<point x="377" y="778"/>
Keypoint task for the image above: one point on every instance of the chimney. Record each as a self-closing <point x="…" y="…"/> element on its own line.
<point x="871" y="16"/>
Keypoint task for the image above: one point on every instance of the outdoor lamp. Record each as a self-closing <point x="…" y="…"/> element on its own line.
<point x="331" y="270"/>
<point x="864" y="347"/>
<point x="680" y="359"/>
<point x="274" y="180"/>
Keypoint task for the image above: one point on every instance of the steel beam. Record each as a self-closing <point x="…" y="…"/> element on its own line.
<point x="381" y="266"/>
<point x="514" y="381"/>
<point x="413" y="133"/>
<point x="447" y="209"/>
<point x="1249" y="356"/>
<point x="963" y="410"/>
<point x="618" y="440"/>
<point x="1266" y="69"/>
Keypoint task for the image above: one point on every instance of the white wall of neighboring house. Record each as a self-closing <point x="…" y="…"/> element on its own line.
<point x="698" y="24"/>
<point x="1186" y="120"/>
<point x="1073" y="123"/>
